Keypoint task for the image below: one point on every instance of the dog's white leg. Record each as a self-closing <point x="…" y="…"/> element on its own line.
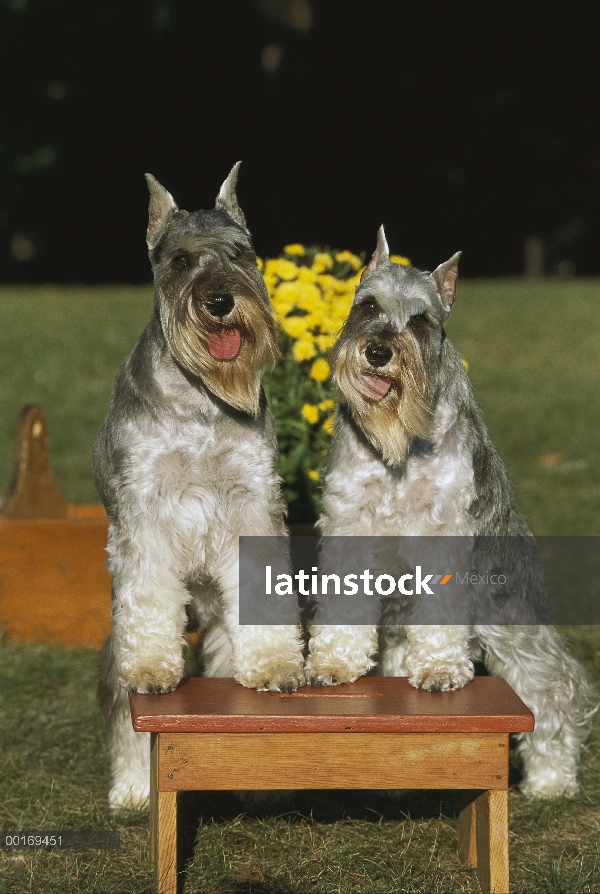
<point x="393" y="649"/>
<point x="264" y="656"/>
<point x="130" y="760"/>
<point x="129" y="751"/>
<point x="217" y="653"/>
<point x="554" y="686"/>
<point x="340" y="654"/>
<point x="438" y="657"/>
<point x="149" y="616"/>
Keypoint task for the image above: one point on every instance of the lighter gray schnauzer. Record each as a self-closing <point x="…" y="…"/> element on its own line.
<point x="411" y="457"/>
<point x="185" y="463"/>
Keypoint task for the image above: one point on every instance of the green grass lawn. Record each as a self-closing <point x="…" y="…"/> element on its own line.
<point x="534" y="358"/>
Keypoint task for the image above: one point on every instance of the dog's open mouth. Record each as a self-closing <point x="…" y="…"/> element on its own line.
<point x="225" y="344"/>
<point x="377" y="386"/>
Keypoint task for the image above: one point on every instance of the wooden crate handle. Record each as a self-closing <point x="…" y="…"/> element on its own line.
<point x="33" y="491"/>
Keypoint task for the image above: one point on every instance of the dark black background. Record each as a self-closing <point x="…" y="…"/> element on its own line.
<point x="463" y="125"/>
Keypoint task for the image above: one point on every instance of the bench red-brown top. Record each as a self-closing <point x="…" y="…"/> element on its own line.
<point x="372" y="704"/>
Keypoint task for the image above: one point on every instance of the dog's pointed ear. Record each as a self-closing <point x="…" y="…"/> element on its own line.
<point x="227" y="198"/>
<point x="445" y="277"/>
<point x="380" y="255"/>
<point x="162" y="205"/>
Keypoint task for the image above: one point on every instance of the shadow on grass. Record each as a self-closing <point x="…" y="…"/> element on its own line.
<point x="319" y="806"/>
<point x="198" y="810"/>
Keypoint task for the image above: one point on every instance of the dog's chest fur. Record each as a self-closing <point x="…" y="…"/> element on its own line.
<point x="430" y="494"/>
<point x="196" y="470"/>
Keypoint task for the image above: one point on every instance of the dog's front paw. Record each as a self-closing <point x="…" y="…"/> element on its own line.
<point x="330" y="670"/>
<point x="340" y="654"/>
<point x="440" y="677"/>
<point x="270" y="660"/>
<point x="278" y="676"/>
<point x="152" y="678"/>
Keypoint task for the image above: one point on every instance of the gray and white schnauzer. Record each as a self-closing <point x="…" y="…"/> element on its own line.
<point x="411" y="457"/>
<point x="185" y="463"/>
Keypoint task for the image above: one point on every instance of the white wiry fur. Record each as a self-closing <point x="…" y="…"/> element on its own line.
<point x="452" y="483"/>
<point x="183" y="474"/>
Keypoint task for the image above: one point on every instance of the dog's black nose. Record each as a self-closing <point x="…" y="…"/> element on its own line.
<point x="220" y="304"/>
<point x="378" y="354"/>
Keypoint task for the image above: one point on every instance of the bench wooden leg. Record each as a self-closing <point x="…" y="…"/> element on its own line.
<point x="163" y="830"/>
<point x="483" y="839"/>
<point x="467" y="836"/>
<point x="491" y="809"/>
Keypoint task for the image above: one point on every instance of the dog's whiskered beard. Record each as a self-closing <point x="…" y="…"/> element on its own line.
<point x="189" y="328"/>
<point x="390" y="419"/>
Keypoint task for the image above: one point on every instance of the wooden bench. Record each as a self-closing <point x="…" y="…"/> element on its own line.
<point x="377" y="733"/>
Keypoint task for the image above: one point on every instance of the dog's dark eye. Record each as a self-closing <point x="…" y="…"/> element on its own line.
<point x="181" y="260"/>
<point x="419" y="320"/>
<point x="368" y="304"/>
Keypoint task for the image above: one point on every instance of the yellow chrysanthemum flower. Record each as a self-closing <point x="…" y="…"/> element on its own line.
<point x="465" y="363"/>
<point x="282" y="268"/>
<point x="311" y="321"/>
<point x="399" y="259"/>
<point x="351" y="259"/>
<point x="319" y="371"/>
<point x="284" y="298"/>
<point x="308" y="296"/>
<point x="295" y="249"/>
<point x="324" y="342"/>
<point x="328" y="426"/>
<point x="304" y="349"/>
<point x="295" y="327"/>
<point x="322" y="262"/>
<point x="270" y="282"/>
<point x="271" y="266"/>
<point x="259" y="263"/>
<point x="282" y="308"/>
<point x="326" y="281"/>
<point x="313" y="474"/>
<point x="287" y="289"/>
<point x="310" y="413"/>
<point x="326" y="405"/>
<point x="307" y="275"/>
<point x="343" y="286"/>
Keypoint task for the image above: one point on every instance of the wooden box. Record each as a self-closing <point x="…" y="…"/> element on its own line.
<point x="54" y="587"/>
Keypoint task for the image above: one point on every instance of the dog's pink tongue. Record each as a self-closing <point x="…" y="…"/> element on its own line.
<point x="379" y="387"/>
<point x="224" y="344"/>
